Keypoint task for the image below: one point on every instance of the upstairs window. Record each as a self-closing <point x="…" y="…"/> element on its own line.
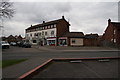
<point x="52" y="32"/>
<point x="39" y="34"/>
<point x="42" y="32"/>
<point x="114" y="31"/>
<point x="45" y="33"/>
<point x="34" y="34"/>
<point x="48" y="26"/>
<point x="54" y="25"/>
<point x="31" y="35"/>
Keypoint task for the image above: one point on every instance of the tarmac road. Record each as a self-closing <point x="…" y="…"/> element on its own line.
<point x="21" y="53"/>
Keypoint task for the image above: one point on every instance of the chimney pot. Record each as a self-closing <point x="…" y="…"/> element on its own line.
<point x="63" y="17"/>
<point x="43" y="21"/>
<point x="109" y="20"/>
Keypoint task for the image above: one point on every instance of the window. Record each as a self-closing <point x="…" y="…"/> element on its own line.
<point x="111" y="39"/>
<point x="31" y="35"/>
<point x="42" y="32"/>
<point x="114" y="40"/>
<point x="54" y="25"/>
<point x="73" y="41"/>
<point x="27" y="35"/>
<point x="46" y="27"/>
<point x="45" y="33"/>
<point x="39" y="34"/>
<point x="52" y="32"/>
<point x="114" y="31"/>
<point x="51" y="26"/>
<point x="34" y="41"/>
<point x="40" y="28"/>
<point x="34" y="34"/>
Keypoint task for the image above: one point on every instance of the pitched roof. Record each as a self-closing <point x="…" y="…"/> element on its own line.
<point x="116" y="24"/>
<point x="47" y="23"/>
<point x="73" y="34"/>
<point x="91" y="36"/>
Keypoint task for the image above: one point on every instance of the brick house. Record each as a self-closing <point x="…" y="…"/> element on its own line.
<point x="19" y="38"/>
<point x="47" y="33"/>
<point x="91" y="40"/>
<point x="112" y="34"/>
<point x="71" y="39"/>
<point x="11" y="38"/>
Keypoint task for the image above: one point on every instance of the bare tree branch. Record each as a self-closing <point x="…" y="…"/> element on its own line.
<point x="6" y="9"/>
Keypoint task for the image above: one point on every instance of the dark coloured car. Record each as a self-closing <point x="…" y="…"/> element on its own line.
<point x="20" y="44"/>
<point x="26" y="45"/>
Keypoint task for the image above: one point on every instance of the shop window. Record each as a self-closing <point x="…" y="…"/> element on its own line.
<point x="51" y="42"/>
<point x="73" y="41"/>
<point x="34" y="41"/>
<point x="62" y="42"/>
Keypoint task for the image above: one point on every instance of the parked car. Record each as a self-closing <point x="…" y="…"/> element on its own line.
<point x="13" y="44"/>
<point x="20" y="44"/>
<point x="5" y="44"/>
<point x="26" y="45"/>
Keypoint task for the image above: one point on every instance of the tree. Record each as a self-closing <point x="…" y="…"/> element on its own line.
<point x="6" y="9"/>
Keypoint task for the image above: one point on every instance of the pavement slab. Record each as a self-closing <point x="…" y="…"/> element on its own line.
<point x="21" y="68"/>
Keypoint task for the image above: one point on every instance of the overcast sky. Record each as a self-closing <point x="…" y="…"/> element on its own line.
<point x="87" y="17"/>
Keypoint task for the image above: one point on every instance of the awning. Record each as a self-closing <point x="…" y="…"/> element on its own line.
<point x="51" y="38"/>
<point x="62" y="37"/>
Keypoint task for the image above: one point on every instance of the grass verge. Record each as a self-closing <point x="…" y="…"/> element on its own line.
<point x="6" y="63"/>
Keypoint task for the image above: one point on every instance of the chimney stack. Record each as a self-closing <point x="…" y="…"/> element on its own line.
<point x="43" y="21"/>
<point x="109" y="21"/>
<point x="63" y="17"/>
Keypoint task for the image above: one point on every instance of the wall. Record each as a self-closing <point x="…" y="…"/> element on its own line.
<point x="90" y="42"/>
<point x="40" y="31"/>
<point x="78" y="42"/>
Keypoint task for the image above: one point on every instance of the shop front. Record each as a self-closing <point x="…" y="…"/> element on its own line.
<point x="51" y="41"/>
<point x="63" y="41"/>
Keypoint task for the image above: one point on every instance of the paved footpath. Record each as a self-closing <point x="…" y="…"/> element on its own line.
<point x="17" y="70"/>
<point x="73" y="49"/>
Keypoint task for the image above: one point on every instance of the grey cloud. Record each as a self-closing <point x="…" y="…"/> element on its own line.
<point x="88" y="17"/>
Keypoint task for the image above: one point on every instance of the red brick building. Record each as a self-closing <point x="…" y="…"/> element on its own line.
<point x="47" y="33"/>
<point x="112" y="34"/>
<point x="91" y="40"/>
<point x="71" y="39"/>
